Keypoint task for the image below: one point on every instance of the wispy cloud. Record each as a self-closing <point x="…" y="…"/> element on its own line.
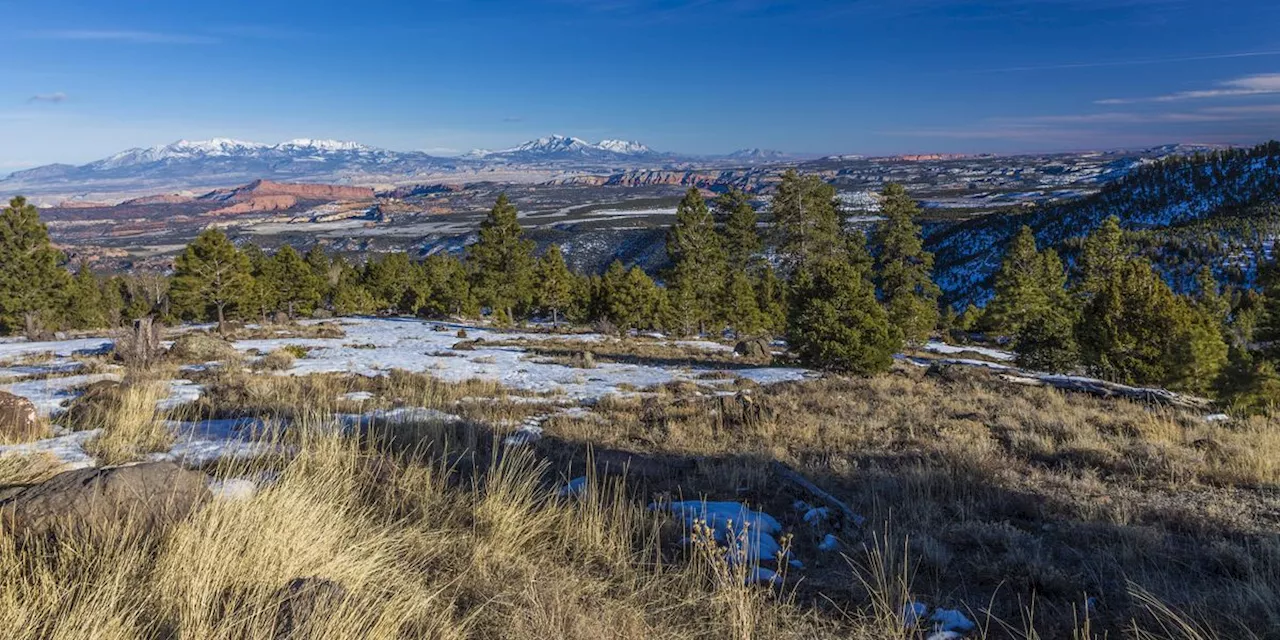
<point x="126" y="36"/>
<point x="1132" y="62"/>
<point x="1254" y="85"/>
<point x="51" y="98"/>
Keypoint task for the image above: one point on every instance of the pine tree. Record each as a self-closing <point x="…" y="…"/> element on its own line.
<point x="905" y="269"/>
<point x="1105" y="254"/>
<point x="1020" y="294"/>
<point x="696" y="276"/>
<point x="501" y="262"/>
<point x="1135" y="330"/>
<point x="211" y="277"/>
<point x="1249" y="384"/>
<point x="806" y="222"/>
<point x="322" y="269"/>
<point x="32" y="280"/>
<point x="629" y="298"/>
<point x="836" y="323"/>
<point x="296" y="284"/>
<point x="1047" y="342"/>
<point x="263" y="297"/>
<point x="740" y="308"/>
<point x="445" y="290"/>
<point x="113" y="300"/>
<point x="771" y="300"/>
<point x="85" y="307"/>
<point x="555" y="283"/>
<point x="389" y="280"/>
<point x="739" y="230"/>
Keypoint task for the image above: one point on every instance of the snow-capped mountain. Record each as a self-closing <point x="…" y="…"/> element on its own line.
<point x="566" y="148"/>
<point x="188" y="164"/>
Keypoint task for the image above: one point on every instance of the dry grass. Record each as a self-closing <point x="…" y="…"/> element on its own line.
<point x="277" y="360"/>
<point x="130" y="425"/>
<point x="1006" y="496"/>
<point x="27" y="469"/>
<point x="1015" y="505"/>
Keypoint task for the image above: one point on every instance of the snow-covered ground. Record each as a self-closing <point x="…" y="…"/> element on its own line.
<point x="371" y="346"/>
<point x="933" y="346"/>
<point x="375" y="346"/>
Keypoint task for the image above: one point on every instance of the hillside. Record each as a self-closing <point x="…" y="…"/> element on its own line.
<point x="1163" y="194"/>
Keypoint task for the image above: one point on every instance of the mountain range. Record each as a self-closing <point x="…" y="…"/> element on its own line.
<point x="195" y="165"/>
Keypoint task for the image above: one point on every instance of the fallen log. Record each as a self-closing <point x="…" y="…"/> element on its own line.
<point x="794" y="477"/>
<point x="1109" y="390"/>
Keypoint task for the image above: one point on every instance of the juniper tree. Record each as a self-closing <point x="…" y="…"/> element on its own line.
<point x="836" y="323"/>
<point x="33" y="282"/>
<point x="904" y="268"/>
<point x="806" y="221"/>
<point x="444" y="288"/>
<point x="501" y="262"/>
<point x="695" y="279"/>
<point x="211" y="277"/>
<point x="554" y="283"/>
<point x="739" y="230"/>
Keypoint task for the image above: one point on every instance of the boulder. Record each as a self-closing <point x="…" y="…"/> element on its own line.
<point x="322" y="314"/>
<point x="300" y="601"/>
<point x="154" y="494"/>
<point x="280" y="317"/>
<point x="199" y="346"/>
<point x="756" y="348"/>
<point x="19" y="421"/>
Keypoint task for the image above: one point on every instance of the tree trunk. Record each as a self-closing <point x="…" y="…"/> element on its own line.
<point x="222" y="321"/>
<point x="554" y="317"/>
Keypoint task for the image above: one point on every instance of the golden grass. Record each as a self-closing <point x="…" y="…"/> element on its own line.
<point x="1009" y="503"/>
<point x="131" y="427"/>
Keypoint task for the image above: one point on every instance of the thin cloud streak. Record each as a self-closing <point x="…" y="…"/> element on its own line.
<point x="1255" y="85"/>
<point x="1130" y="63"/>
<point x="51" y="98"/>
<point x="131" y="37"/>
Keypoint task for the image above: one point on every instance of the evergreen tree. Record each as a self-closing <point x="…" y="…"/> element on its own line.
<point x="211" y="277"/>
<point x="1249" y="384"/>
<point x="1135" y="330"/>
<point x="32" y="280"/>
<point x="806" y="221"/>
<point x="1020" y="294"/>
<point x="85" y="307"/>
<point x="389" y="279"/>
<point x="771" y="300"/>
<point x="113" y="300"/>
<point x="905" y="269"/>
<point x="296" y="284"/>
<point x="836" y="323"/>
<point x="629" y="298"/>
<point x="1105" y="254"/>
<point x="322" y="269"/>
<point x="555" y="283"/>
<point x="739" y="230"/>
<point x="502" y="263"/>
<point x="446" y="290"/>
<point x="263" y="297"/>
<point x="696" y="276"/>
<point x="1047" y="342"/>
<point x="740" y="308"/>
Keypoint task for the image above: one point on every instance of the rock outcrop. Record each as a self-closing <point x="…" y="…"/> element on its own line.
<point x="152" y="495"/>
<point x="19" y="421"/>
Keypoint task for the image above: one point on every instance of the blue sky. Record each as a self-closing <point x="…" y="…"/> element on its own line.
<point x="82" y="79"/>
